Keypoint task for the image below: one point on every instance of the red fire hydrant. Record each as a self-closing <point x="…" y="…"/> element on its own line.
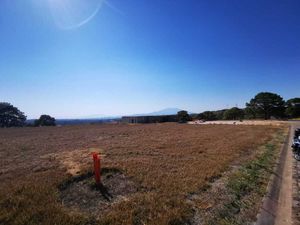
<point x="97" y="168"/>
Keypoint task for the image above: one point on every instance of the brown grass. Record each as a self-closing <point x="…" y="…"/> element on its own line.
<point x="168" y="162"/>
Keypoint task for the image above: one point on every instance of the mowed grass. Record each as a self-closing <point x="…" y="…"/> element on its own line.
<point x="168" y="161"/>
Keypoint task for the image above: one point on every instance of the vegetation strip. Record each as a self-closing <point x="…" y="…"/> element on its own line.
<point x="268" y="211"/>
<point x="246" y="187"/>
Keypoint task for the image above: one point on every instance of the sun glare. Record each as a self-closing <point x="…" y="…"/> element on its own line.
<point x="71" y="14"/>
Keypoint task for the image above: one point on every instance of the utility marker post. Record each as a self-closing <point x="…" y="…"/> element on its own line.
<point x="97" y="168"/>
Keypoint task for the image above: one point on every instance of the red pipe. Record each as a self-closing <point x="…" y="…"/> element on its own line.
<point x="97" y="168"/>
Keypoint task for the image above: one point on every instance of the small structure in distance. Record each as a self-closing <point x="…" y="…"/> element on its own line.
<point x="149" y="119"/>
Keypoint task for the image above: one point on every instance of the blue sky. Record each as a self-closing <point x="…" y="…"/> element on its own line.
<point x="76" y="58"/>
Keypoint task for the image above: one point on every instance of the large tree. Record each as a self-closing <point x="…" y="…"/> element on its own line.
<point x="234" y="113"/>
<point x="11" y="116"/>
<point x="266" y="105"/>
<point x="45" y="120"/>
<point x="293" y="108"/>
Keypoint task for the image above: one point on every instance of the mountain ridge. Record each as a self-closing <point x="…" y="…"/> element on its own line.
<point x="163" y="112"/>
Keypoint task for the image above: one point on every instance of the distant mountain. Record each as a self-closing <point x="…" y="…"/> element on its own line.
<point x="167" y="111"/>
<point x="99" y="116"/>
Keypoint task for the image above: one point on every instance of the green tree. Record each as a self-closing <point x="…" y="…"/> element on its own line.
<point x="234" y="114"/>
<point x="266" y="104"/>
<point x="11" y="116"/>
<point x="219" y="114"/>
<point x="207" y="115"/>
<point x="45" y="120"/>
<point x="250" y="113"/>
<point x="183" y="116"/>
<point x="293" y="108"/>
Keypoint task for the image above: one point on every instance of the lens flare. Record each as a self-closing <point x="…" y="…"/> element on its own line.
<point x="72" y="14"/>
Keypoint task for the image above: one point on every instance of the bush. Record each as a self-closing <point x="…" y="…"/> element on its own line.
<point x="234" y="114"/>
<point x="207" y="115"/>
<point x="183" y="116"/>
<point x="45" y="120"/>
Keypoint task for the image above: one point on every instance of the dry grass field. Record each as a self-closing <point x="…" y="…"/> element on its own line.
<point x="150" y="171"/>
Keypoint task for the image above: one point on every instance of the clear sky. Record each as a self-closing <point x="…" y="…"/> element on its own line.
<point x="76" y="58"/>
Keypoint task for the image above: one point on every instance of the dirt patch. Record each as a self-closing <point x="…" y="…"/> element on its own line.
<point x="80" y="193"/>
<point x="73" y="161"/>
<point x="70" y="160"/>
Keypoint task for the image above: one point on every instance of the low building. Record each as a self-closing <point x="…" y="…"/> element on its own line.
<point x="149" y="119"/>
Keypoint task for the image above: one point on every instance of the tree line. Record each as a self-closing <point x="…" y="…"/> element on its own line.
<point x="11" y="116"/>
<point x="265" y="105"/>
